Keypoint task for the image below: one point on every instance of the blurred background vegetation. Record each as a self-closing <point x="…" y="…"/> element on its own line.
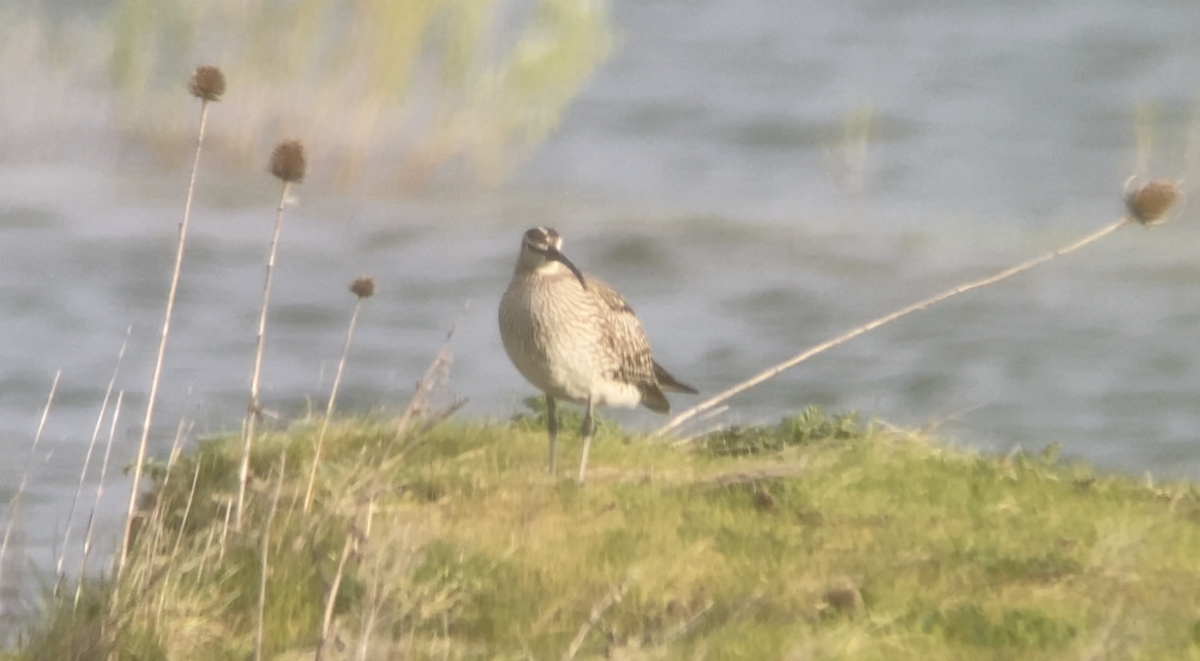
<point x="379" y="91"/>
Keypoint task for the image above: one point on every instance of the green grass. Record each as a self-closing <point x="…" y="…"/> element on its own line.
<point x="821" y="537"/>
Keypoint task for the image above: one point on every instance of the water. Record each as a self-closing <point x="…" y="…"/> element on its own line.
<point x="705" y="173"/>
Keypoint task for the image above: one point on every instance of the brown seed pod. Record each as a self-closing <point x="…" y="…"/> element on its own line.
<point x="207" y="83"/>
<point x="287" y="161"/>
<point x="1151" y="202"/>
<point x="363" y="286"/>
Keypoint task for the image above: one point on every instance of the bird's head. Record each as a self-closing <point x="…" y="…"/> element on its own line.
<point x="540" y="253"/>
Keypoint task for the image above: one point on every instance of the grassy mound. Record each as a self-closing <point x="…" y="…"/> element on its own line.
<point x="816" y="538"/>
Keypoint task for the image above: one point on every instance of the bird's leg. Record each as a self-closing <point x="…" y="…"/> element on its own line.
<point x="552" y="427"/>
<point x="586" y="432"/>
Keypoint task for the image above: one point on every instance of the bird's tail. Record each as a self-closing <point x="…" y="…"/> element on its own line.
<point x="670" y="383"/>
<point x="654" y="399"/>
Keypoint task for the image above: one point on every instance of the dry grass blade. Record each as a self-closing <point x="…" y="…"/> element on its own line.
<point x="700" y="432"/>
<point x="155" y="521"/>
<point x="16" y="497"/>
<point x="87" y="537"/>
<point x="228" y="503"/>
<point x="171" y="562"/>
<point x="87" y="462"/>
<point x="374" y="597"/>
<point x="613" y="597"/>
<point x="347" y="548"/>
<point x="440" y="364"/>
<point x="707" y="404"/>
<point x="438" y="417"/>
<point x="424" y="386"/>
<point x="266" y="549"/>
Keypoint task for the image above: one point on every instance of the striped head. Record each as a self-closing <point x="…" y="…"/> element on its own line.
<point x="540" y="254"/>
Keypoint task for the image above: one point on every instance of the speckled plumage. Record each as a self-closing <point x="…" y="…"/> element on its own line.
<point x="575" y="337"/>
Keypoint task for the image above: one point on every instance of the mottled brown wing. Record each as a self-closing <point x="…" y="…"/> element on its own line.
<point x="626" y="341"/>
<point x="612" y="300"/>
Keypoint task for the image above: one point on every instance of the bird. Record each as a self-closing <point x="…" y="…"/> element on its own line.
<point x="576" y="339"/>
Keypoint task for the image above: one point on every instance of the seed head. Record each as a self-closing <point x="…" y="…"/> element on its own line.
<point x="363" y="286"/>
<point x="207" y="83"/>
<point x="287" y="161"/>
<point x="1150" y="203"/>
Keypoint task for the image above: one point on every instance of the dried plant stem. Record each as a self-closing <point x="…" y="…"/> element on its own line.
<point x="915" y="307"/>
<point x="253" y="409"/>
<point x="11" y="513"/>
<point x="368" y="623"/>
<point x="87" y="462"/>
<point x="156" y="513"/>
<point x="162" y="345"/>
<point x="337" y="381"/>
<point x="333" y="593"/>
<point x="87" y="537"/>
<point x="225" y="530"/>
<point x="425" y="385"/>
<point x="187" y="510"/>
<point x="266" y="549"/>
<point x="212" y="532"/>
<point x="181" y="431"/>
<point x="613" y="597"/>
<point x="370" y="517"/>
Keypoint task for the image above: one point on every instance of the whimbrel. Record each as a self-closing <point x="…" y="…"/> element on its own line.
<point x="576" y="339"/>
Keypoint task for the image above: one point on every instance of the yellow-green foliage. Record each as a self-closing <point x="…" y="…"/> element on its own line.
<point x="376" y="87"/>
<point x="818" y="538"/>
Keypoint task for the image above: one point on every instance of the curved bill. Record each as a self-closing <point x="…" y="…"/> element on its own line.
<point x="554" y="254"/>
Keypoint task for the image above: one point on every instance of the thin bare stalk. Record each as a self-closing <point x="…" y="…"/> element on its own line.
<point x="253" y="409"/>
<point x="87" y="462"/>
<point x="370" y="517"/>
<point x="333" y="593"/>
<point x="225" y="530"/>
<point x="368" y="623"/>
<point x="337" y="381"/>
<point x="613" y="597"/>
<point x="162" y="344"/>
<point x="440" y="362"/>
<point x="266" y="548"/>
<point x="424" y="386"/>
<point x="11" y="512"/>
<point x="187" y="510"/>
<point x="212" y="532"/>
<point x="181" y="431"/>
<point x="920" y="305"/>
<point x="87" y="537"/>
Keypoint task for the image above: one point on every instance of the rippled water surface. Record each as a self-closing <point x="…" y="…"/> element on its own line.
<point x="705" y="172"/>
